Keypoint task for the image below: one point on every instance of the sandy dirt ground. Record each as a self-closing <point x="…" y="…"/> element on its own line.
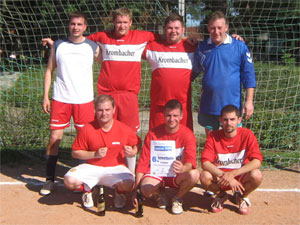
<point x="277" y="201"/>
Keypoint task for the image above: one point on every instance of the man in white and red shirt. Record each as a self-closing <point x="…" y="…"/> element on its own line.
<point x="184" y="166"/>
<point x="230" y="161"/>
<point x="171" y="63"/>
<point x="73" y="94"/>
<point x="103" y="144"/>
<point x="120" y="74"/>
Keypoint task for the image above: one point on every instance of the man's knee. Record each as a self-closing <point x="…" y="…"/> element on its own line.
<point x="71" y="182"/>
<point x="149" y="187"/>
<point x="125" y="185"/>
<point x="190" y="177"/>
<point x="255" y="177"/>
<point x="205" y="178"/>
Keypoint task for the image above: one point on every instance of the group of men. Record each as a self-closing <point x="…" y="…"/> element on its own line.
<point x="107" y="131"/>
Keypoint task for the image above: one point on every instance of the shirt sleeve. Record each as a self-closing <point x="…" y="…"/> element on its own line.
<point x="144" y="55"/>
<point x="133" y="139"/>
<point x="197" y="68"/>
<point x="208" y="153"/>
<point x="143" y="165"/>
<point x="190" y="152"/>
<point x="247" y="68"/>
<point x="253" y="150"/>
<point x="80" y="142"/>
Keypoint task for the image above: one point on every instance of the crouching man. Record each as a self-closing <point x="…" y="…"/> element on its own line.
<point x="103" y="143"/>
<point x="230" y="161"/>
<point x="184" y="167"/>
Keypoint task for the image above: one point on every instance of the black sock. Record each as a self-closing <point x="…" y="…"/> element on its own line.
<point x="51" y="167"/>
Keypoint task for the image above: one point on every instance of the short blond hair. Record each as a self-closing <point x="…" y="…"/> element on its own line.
<point x="217" y="15"/>
<point x="121" y="12"/>
<point x="104" y="98"/>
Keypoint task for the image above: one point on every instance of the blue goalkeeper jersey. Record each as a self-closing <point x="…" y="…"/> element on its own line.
<point x="226" y="67"/>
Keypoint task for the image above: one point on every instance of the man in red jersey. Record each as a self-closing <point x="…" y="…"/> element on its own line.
<point x="184" y="167"/>
<point x="103" y="143"/>
<point x="120" y="74"/>
<point x="171" y="63"/>
<point x="230" y="161"/>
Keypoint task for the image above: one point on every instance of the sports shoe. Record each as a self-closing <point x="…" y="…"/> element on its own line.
<point x="120" y="200"/>
<point x="177" y="206"/>
<point x="244" y="206"/>
<point x="208" y="193"/>
<point x="47" y="188"/>
<point x="217" y="205"/>
<point x="162" y="200"/>
<point x="87" y="200"/>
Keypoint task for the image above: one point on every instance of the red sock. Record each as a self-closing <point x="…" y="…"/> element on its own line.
<point x="81" y="188"/>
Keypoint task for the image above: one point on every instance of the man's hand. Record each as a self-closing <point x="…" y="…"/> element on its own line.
<point x="177" y="167"/>
<point x="248" y="109"/>
<point x="130" y="151"/>
<point x="101" y="152"/>
<point x="192" y="40"/>
<point x="48" y="41"/>
<point x="237" y="37"/>
<point x="134" y="199"/>
<point x="228" y="179"/>
<point x="46" y="105"/>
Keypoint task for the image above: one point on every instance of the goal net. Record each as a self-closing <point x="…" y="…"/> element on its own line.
<point x="270" y="29"/>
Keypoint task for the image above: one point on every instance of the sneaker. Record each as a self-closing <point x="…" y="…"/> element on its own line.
<point x="177" y="206"/>
<point x="208" y="193"/>
<point x="236" y="197"/>
<point x="162" y="200"/>
<point x="47" y="188"/>
<point x="87" y="200"/>
<point x="120" y="200"/>
<point x="217" y="205"/>
<point x="244" y="206"/>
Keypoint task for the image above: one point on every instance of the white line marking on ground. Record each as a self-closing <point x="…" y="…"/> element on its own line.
<point x="40" y="183"/>
<point x="269" y="189"/>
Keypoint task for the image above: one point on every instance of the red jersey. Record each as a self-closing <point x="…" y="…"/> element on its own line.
<point x="228" y="154"/>
<point x="121" y="66"/>
<point x="185" y="146"/>
<point x="92" y="137"/>
<point x="171" y="71"/>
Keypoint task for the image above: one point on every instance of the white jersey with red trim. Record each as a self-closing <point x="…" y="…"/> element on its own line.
<point x="171" y="71"/>
<point x="121" y="66"/>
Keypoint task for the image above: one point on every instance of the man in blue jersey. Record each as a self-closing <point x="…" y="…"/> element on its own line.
<point x="226" y="63"/>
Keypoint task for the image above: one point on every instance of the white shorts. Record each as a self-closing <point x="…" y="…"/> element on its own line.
<point x="92" y="175"/>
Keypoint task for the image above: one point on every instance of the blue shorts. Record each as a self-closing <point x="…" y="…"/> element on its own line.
<point x="211" y="122"/>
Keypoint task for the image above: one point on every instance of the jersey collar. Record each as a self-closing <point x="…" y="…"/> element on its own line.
<point x="228" y="40"/>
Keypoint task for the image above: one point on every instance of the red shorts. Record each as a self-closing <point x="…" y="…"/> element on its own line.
<point x="166" y="181"/>
<point x="127" y="109"/>
<point x="61" y="114"/>
<point x="157" y="116"/>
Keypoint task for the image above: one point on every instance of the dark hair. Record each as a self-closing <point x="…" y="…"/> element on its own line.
<point x="217" y="15"/>
<point x="173" y="104"/>
<point x="174" y="17"/>
<point x="77" y="14"/>
<point x="229" y="109"/>
<point x="104" y="98"/>
<point x="121" y="12"/>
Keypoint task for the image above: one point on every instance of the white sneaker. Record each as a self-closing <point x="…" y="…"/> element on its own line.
<point x="162" y="201"/>
<point x="47" y="188"/>
<point x="177" y="206"/>
<point x="120" y="200"/>
<point x="87" y="200"/>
